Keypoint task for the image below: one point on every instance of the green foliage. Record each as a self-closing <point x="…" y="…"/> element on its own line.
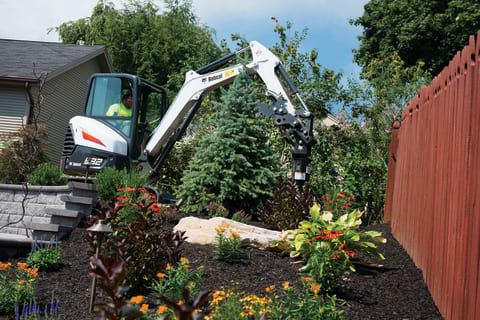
<point x="21" y="153"/>
<point x="17" y="286"/>
<point x="327" y="245"/>
<point x="140" y="236"/>
<point x="172" y="280"/>
<point x="279" y="304"/>
<point x="160" y="47"/>
<point x="111" y="179"/>
<point x="427" y="31"/>
<point x="233" y="165"/>
<point x="47" y="174"/>
<point x="228" y="245"/>
<point x="287" y="207"/>
<point x="45" y="255"/>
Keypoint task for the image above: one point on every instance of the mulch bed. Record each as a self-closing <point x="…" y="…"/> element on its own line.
<point x="395" y="292"/>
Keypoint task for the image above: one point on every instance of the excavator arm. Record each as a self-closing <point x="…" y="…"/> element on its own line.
<point x="299" y="123"/>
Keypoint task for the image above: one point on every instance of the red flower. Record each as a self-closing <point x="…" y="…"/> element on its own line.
<point x="325" y="195"/>
<point x="142" y="190"/>
<point x="335" y="256"/>
<point x="328" y="202"/>
<point x="347" y="205"/>
<point x="151" y="196"/>
<point x="123" y="198"/>
<point x="155" y="207"/>
<point x="341" y="195"/>
<point x="121" y="189"/>
<point x="342" y="246"/>
<point x="131" y="189"/>
<point x="350" y="253"/>
<point x="350" y="198"/>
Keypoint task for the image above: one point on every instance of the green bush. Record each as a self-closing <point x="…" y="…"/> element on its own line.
<point x="111" y="179"/>
<point x="21" y="153"/>
<point x="47" y="174"/>
<point x="16" y="284"/>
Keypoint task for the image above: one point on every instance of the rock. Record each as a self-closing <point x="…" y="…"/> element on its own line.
<point x="201" y="231"/>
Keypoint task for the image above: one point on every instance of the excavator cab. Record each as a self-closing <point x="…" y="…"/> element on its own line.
<point x="126" y="108"/>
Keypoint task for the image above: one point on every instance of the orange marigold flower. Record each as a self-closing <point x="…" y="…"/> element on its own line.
<point x="184" y="260"/>
<point x="180" y="302"/>
<point x="22" y="281"/>
<point x="5" y="266"/>
<point x="162" y="309"/>
<point x="286" y="285"/>
<point x="161" y="275"/>
<point x="235" y="235"/>
<point x="315" y="287"/>
<point x="21" y="265"/>
<point x="307" y="279"/>
<point x="144" y="307"/>
<point x="186" y="266"/>
<point x="137" y="299"/>
<point x="201" y="267"/>
<point x="268" y="289"/>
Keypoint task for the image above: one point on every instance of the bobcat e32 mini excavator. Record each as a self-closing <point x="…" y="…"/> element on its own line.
<point x="145" y="133"/>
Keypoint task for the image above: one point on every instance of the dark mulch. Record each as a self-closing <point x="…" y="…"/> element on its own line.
<point x="395" y="292"/>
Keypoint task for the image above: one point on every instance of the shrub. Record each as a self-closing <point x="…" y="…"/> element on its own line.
<point x="140" y="237"/>
<point x="17" y="286"/>
<point x="47" y="174"/>
<point x="287" y="207"/>
<point x="215" y="209"/>
<point x="227" y="247"/>
<point x="21" y="153"/>
<point x="111" y="179"/>
<point x="45" y="256"/>
<point x="232" y="166"/>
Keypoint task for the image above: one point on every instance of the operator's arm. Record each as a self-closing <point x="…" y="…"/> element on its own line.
<point x="113" y="110"/>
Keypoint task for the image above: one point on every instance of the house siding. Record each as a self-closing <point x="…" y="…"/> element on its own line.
<point x="64" y="98"/>
<point x="13" y="109"/>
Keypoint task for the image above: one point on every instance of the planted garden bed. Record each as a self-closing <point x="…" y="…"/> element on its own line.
<point x="394" y="292"/>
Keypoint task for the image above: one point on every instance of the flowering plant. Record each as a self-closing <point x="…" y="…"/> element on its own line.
<point x="139" y="235"/>
<point x="227" y="247"/>
<point x="32" y="311"/>
<point x="45" y="255"/>
<point x="17" y="286"/>
<point x="328" y="245"/>
<point x="171" y="281"/>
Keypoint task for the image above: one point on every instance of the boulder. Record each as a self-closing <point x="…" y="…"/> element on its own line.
<point x="202" y="231"/>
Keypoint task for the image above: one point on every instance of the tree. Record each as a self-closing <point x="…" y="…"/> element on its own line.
<point x="160" y="47"/>
<point x="232" y="166"/>
<point x="419" y="31"/>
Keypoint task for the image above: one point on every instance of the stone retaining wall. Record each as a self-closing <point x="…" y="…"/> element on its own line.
<point x="49" y="210"/>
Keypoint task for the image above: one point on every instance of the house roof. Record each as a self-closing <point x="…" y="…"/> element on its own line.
<point x="17" y="58"/>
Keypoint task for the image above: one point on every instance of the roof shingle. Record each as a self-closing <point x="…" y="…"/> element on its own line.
<point x="17" y="57"/>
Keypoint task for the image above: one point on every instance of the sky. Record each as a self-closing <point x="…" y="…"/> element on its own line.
<point x="326" y="20"/>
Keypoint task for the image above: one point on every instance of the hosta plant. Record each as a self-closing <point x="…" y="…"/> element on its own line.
<point x="328" y="245"/>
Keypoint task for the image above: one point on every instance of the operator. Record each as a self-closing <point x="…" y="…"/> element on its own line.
<point x="122" y="109"/>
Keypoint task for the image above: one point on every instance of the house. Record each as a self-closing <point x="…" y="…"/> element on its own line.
<point x="67" y="67"/>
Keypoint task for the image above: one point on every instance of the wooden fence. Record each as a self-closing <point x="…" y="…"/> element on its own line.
<point x="433" y="186"/>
